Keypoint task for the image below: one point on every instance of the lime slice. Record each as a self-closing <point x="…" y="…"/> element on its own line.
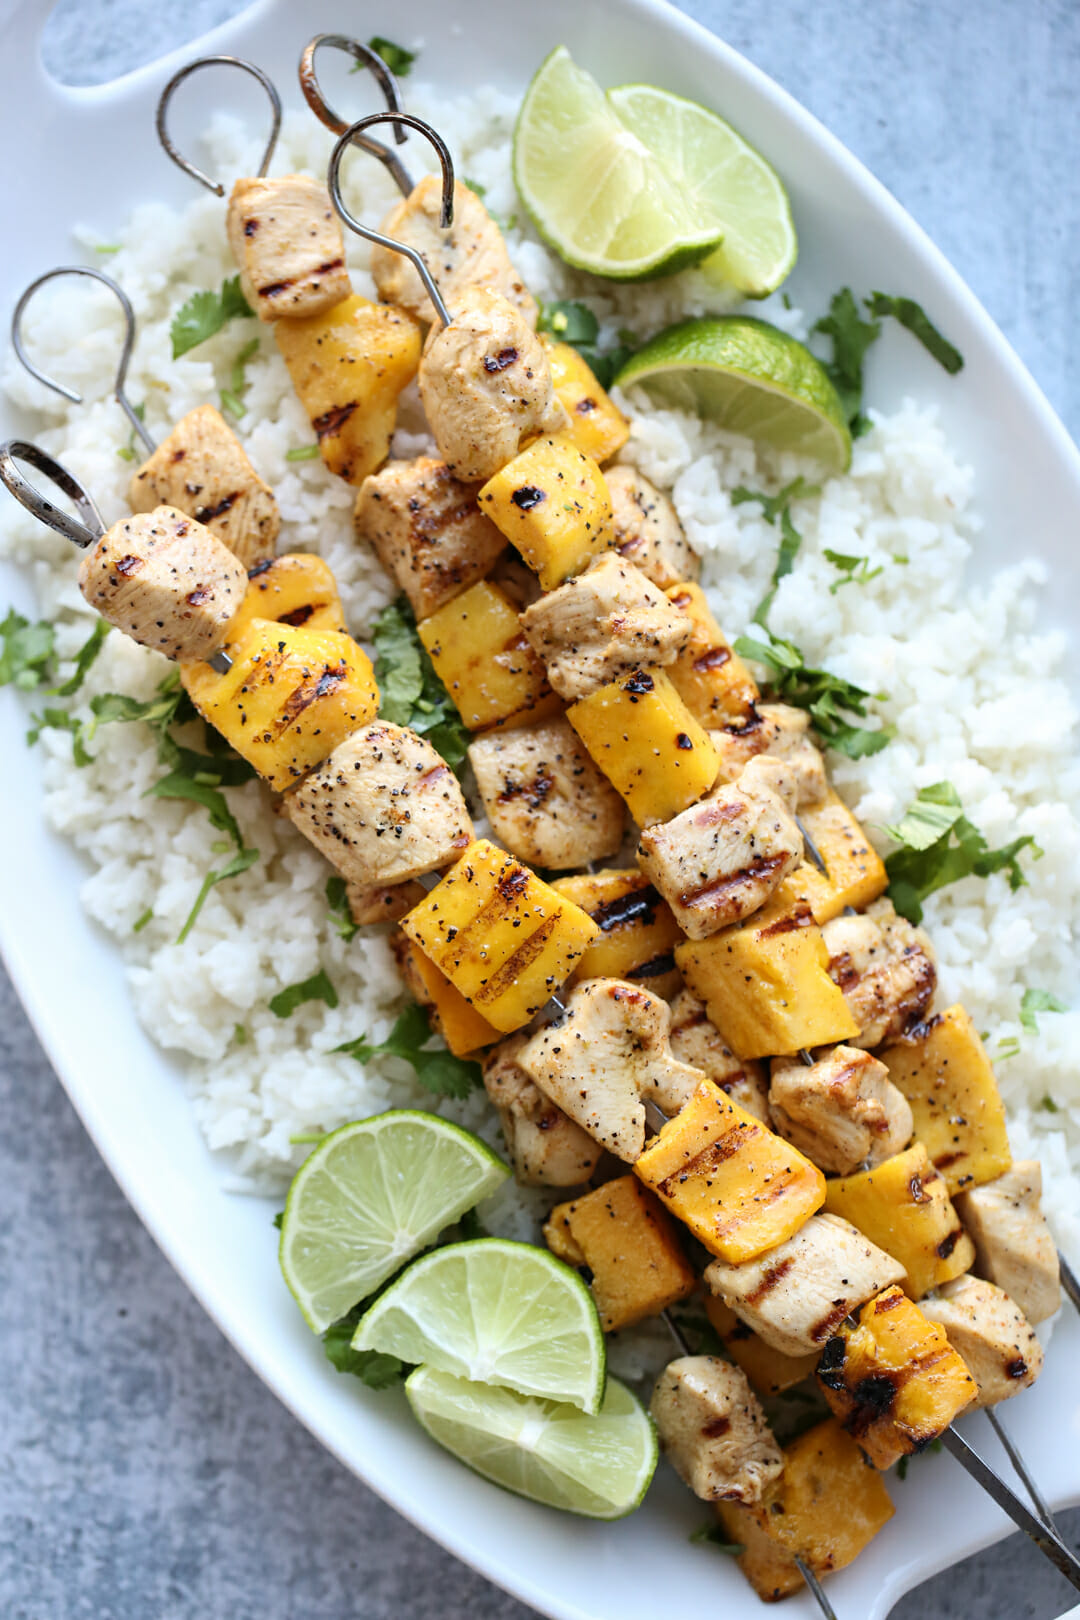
<point x="594" y="190"/>
<point x="750" y="378"/>
<point x="496" y="1313"/>
<point x="550" y="1452"/>
<point x="371" y="1196"/>
<point x="731" y="183"/>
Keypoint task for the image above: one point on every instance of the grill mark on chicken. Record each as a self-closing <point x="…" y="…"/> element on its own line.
<point x="800" y="916"/>
<point x="772" y="1279"/>
<point x="129" y="565"/>
<point x="822" y="1329"/>
<point x="1016" y="1368"/>
<point x="499" y="362"/>
<point x="715" y="1428"/>
<point x="334" y="420"/>
<point x="722" y="889"/>
<point x="207" y="514"/>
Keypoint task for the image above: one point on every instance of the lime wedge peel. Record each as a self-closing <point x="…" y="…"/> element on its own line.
<point x="494" y="1312"/>
<point x="750" y="378"/>
<point x="372" y="1195"/>
<point x="550" y="1452"/>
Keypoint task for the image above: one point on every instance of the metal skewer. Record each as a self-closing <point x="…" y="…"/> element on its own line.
<point x="370" y="59"/>
<point x="1042" y="1507"/>
<point x="174" y="84"/>
<point x="1047" y="1540"/>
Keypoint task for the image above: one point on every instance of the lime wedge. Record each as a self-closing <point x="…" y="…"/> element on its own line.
<point x="731" y="183"/>
<point x="600" y="1466"/>
<point x="496" y="1313"/>
<point x="594" y="190"/>
<point x="750" y="378"/>
<point x="371" y="1196"/>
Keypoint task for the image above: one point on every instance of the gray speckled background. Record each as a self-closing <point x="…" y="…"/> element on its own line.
<point x="145" y="1473"/>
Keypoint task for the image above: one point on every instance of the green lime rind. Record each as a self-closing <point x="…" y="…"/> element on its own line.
<point x="751" y="379"/>
<point x="730" y="180"/>
<point x="494" y="1312"/>
<point x="594" y="190"/>
<point x="372" y="1195"/>
<point x="600" y="1466"/>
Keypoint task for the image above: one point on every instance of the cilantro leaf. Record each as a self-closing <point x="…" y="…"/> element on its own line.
<point x="240" y="862"/>
<point x="232" y="398"/>
<point x="439" y="1071"/>
<point x="854" y="570"/>
<point x="178" y="785"/>
<point x="412" y="693"/>
<point x="574" y="323"/>
<point x="396" y="57"/>
<point x="940" y="846"/>
<point x="712" y="1535"/>
<point x="205" y="313"/>
<point x="317" y="988"/>
<point x="851" y="337"/>
<point x="338" y="906"/>
<point x="915" y="320"/>
<point x="470" y="1227"/>
<point x="83" y="659"/>
<point x="475" y="187"/>
<point x="374" y="1367"/>
<point x="26" y="651"/>
<point x="1035" y="1002"/>
<point x="62" y="720"/>
<point x="777" y="508"/>
<point x="826" y="697"/>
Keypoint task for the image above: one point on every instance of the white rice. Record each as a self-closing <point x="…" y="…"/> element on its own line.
<point x="974" y="688"/>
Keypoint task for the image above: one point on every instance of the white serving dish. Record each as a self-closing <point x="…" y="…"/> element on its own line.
<point x="89" y="155"/>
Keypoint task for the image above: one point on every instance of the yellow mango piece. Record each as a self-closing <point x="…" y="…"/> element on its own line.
<point x="766" y="982"/>
<point x="903" y="1206"/>
<point x="629" y="1243"/>
<point x="485" y="662"/>
<point x="770" y="1371"/>
<point x="348" y="366"/>
<point x="943" y="1070"/>
<point x="297" y="588"/>
<point x="740" y="1189"/>
<point x="597" y="426"/>
<point x="552" y="504"/>
<point x="647" y="743"/>
<point x="894" y="1380"/>
<point x="711" y="679"/>
<point x="638" y="932"/>
<point x="856" y="872"/>
<point x="291" y="696"/>
<point x="825" y="1508"/>
<point x="505" y="940"/>
<point x="463" y="1029"/>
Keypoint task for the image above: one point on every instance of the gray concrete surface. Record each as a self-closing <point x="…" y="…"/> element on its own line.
<point x="145" y="1473"/>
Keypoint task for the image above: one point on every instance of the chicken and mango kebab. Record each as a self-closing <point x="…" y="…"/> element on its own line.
<point x="775" y="1012"/>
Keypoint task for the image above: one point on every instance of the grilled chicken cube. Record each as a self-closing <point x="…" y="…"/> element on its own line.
<point x="546" y="1148"/>
<point x="795" y="1296"/>
<point x="885" y="968"/>
<point x="385" y="807"/>
<point x="371" y="903"/>
<point x="201" y="469"/>
<point x="287" y="242"/>
<point x="991" y="1334"/>
<point x="779" y="731"/>
<point x="603" y="624"/>
<point x="1013" y="1245"/>
<point x="721" y="860"/>
<point x="427" y="530"/>
<point x="166" y="581"/>
<point x="630" y="1247"/>
<point x="697" y="1041"/>
<point x="842" y="1111"/>
<point x="606" y="1058"/>
<point x="486" y="386"/>
<point x="713" y="1431"/>
<point x="469" y="253"/>
<point x="647" y="529"/>
<point x="545" y="799"/>
<point x="464" y="1030"/>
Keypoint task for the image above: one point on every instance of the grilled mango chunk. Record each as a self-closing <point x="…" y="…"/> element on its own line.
<point x="596" y="425"/>
<point x="297" y="589"/>
<point x="740" y="1189"/>
<point x="766" y="982"/>
<point x="904" y="1207"/>
<point x="463" y="1029"/>
<point x="769" y="1371"/>
<point x="827" y="1506"/>
<point x="483" y="659"/>
<point x="638" y="933"/>
<point x="943" y="1070"/>
<point x="290" y="697"/>
<point x="348" y="366"/>
<point x="856" y="872"/>
<point x="505" y="940"/>
<point x="629" y="1243"/>
<point x="712" y="681"/>
<point x="647" y="743"/>
<point x="894" y="1380"/>
<point x="552" y="504"/>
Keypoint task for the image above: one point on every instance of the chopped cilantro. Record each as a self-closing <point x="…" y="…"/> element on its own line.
<point x="232" y="398"/>
<point x="128" y="452"/>
<point x="240" y="1035"/>
<point x="475" y="187"/>
<point x="26" y="651"/>
<point x="205" y="313"/>
<point x="854" y="570"/>
<point x="940" y="846"/>
<point x="1049" y="1106"/>
<point x="240" y="863"/>
<point x="53" y="719"/>
<point x="338" y="905"/>
<point x="107" y="247"/>
<point x="826" y="697"/>
<point x="396" y="57"/>
<point x="1008" y="1048"/>
<point x="317" y="988"/>
<point x="374" y="1367"/>
<point x="179" y="785"/>
<point x="439" y="1071"/>
<point x="574" y="323"/>
<point x="851" y="337"/>
<point x="303" y="452"/>
<point x="412" y="693"/>
<point x="1035" y="1002"/>
<point x="915" y="320"/>
<point x="83" y="659"/>
<point x="777" y="509"/>
<point x="138" y="927"/>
